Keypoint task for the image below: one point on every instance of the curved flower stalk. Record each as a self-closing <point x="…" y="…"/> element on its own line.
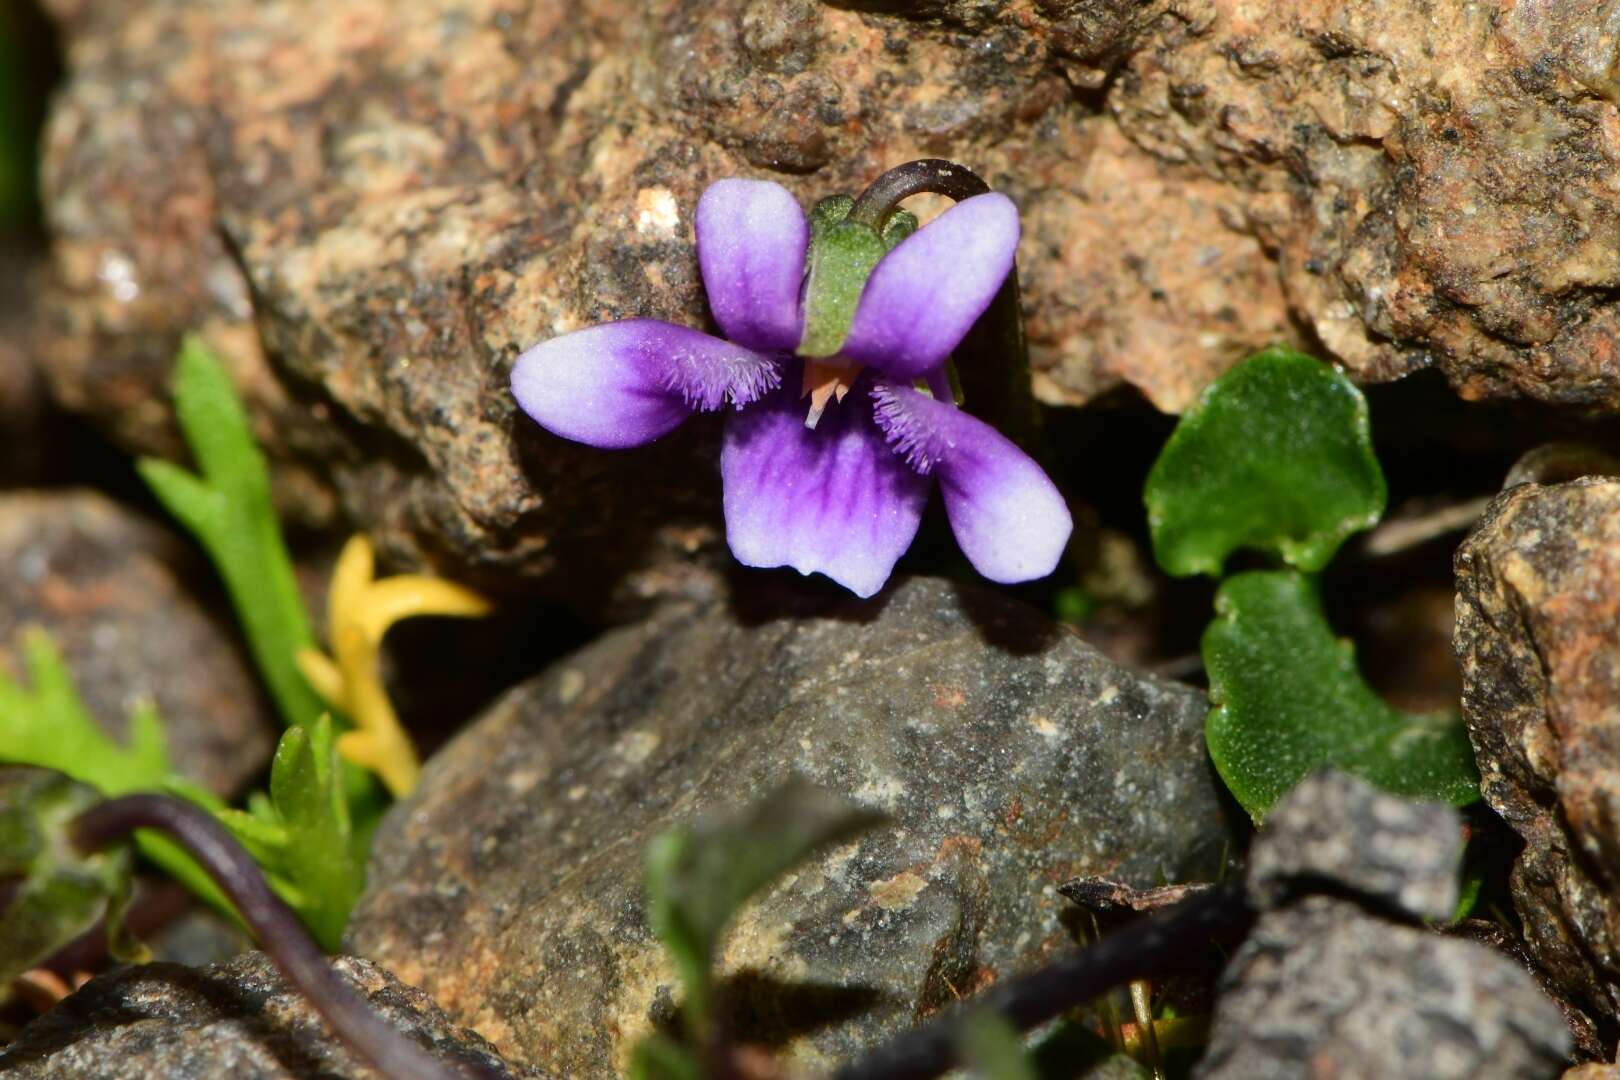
<point x="838" y="329"/>
<point x="360" y="609"/>
<point x="285" y="940"/>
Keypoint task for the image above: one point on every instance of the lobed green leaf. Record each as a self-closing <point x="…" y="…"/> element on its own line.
<point x="1276" y="456"/>
<point x="303" y="834"/>
<point x="46" y="724"/>
<point x="229" y="509"/>
<point x="1289" y="701"/>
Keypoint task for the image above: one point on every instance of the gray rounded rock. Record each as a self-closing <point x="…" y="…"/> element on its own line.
<point x="1009" y="756"/>
<point x="1327" y="986"/>
<point x="1337" y="831"/>
<point x="1323" y="989"/>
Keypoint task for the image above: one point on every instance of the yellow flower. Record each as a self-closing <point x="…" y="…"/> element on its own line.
<point x="359" y="612"/>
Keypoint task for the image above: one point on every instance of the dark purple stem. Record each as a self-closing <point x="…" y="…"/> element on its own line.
<point x="994" y="357"/>
<point x="281" y="935"/>
<point x="1143" y="949"/>
<point x="936" y="175"/>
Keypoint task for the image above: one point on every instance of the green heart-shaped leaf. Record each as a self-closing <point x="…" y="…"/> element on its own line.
<point x="1276" y="456"/>
<point x="1289" y="701"/>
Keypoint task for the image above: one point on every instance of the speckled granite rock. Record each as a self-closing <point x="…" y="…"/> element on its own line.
<point x="1010" y="755"/>
<point x="1337" y="830"/>
<point x="372" y="208"/>
<point x="1326" y="987"/>
<point x="1436" y="179"/>
<point x="1592" y="1072"/>
<point x="1538" y="620"/>
<point x="1322" y="989"/>
<point x="111" y="588"/>
<point x="236" y="1019"/>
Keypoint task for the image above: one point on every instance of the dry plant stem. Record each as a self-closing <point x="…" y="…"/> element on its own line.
<point x="1399" y="534"/>
<point x="41" y="989"/>
<point x="282" y="936"/>
<point x="1142" y="1008"/>
<point x="1555" y="463"/>
<point x="1143" y="949"/>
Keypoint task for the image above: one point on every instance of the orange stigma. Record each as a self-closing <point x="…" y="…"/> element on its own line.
<point x="825" y="381"/>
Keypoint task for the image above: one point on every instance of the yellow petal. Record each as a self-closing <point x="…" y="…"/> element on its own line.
<point x="359" y="747"/>
<point x="385" y="752"/>
<point x="356" y="655"/>
<point x="387" y="601"/>
<point x="360" y="611"/>
<point x="355" y="568"/>
<point x="380" y="741"/>
<point x="323" y="675"/>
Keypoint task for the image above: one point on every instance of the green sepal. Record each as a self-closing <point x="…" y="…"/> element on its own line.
<point x="901" y="224"/>
<point x="829" y="212"/>
<point x="842" y="255"/>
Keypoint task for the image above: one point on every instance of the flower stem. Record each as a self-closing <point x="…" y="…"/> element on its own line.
<point x="936" y="175"/>
<point x="1148" y="947"/>
<point x="993" y="359"/>
<point x="280" y="933"/>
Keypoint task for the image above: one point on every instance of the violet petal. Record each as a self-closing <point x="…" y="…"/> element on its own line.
<point x="1009" y="518"/>
<point x="627" y="383"/>
<point x="833" y="500"/>
<point x="751" y="241"/>
<point x="925" y="295"/>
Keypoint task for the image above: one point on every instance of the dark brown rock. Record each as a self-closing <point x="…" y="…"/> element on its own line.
<point x="371" y="210"/>
<point x="1434" y="179"/>
<point x="1538" y="618"/>
<point x="111" y="588"/>
<point x="236" y="1019"/>
<point x="1010" y="756"/>
<point x="1592" y="1072"/>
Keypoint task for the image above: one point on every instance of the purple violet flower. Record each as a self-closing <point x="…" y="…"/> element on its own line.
<point x="827" y="461"/>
